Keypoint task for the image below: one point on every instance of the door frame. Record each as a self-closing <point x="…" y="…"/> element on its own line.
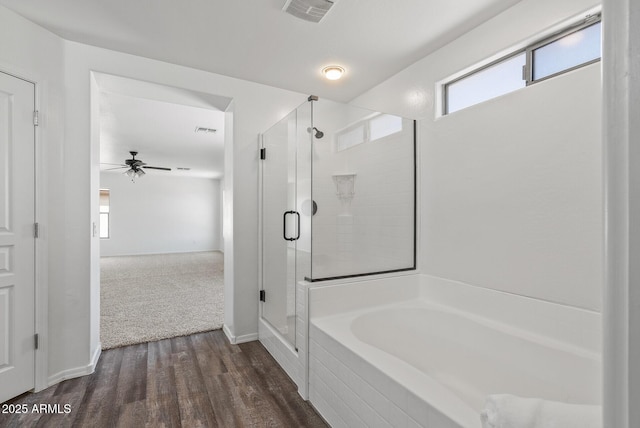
<point x="41" y="288"/>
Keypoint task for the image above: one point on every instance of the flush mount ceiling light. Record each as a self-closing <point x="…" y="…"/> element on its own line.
<point x="333" y="72"/>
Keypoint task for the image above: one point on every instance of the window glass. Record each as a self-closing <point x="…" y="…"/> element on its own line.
<point x="567" y="52"/>
<point x="350" y="137"/>
<point x="384" y="125"/>
<point x="104" y="225"/>
<point x="488" y="83"/>
<point x="104" y="213"/>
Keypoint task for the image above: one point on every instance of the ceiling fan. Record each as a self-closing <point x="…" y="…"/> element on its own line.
<point x="135" y="166"/>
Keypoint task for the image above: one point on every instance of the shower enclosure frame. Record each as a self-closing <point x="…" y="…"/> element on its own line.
<point x="291" y="341"/>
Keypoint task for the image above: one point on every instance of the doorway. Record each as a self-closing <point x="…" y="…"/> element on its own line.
<point x="161" y="164"/>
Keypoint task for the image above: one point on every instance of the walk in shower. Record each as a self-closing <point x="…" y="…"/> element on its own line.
<point x="337" y="200"/>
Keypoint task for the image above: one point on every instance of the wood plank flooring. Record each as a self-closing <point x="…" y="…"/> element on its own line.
<point x="192" y="381"/>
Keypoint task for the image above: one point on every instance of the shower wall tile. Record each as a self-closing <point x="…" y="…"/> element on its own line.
<point x="381" y="235"/>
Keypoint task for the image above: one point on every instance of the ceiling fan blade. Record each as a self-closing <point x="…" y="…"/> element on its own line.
<point x="157" y="167"/>
<point x="117" y="164"/>
<point x="118" y="167"/>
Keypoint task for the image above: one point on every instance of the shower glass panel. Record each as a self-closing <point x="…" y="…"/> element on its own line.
<point x="338" y="199"/>
<point x="286" y="189"/>
<point x="364" y="189"/>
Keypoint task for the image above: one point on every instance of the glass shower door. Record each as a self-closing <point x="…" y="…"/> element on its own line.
<point x="286" y="230"/>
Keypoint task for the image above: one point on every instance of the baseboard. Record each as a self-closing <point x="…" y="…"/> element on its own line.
<point x="77" y="371"/>
<point x="238" y="339"/>
<point x="216" y="250"/>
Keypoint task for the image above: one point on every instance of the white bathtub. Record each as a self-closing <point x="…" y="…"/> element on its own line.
<point x="416" y="361"/>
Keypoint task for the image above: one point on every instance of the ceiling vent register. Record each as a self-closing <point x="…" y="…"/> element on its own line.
<point x="309" y="10"/>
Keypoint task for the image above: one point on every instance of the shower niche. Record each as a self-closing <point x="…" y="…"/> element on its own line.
<point x="337" y="200"/>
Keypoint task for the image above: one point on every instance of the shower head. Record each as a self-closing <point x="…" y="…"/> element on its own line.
<point x="319" y="134"/>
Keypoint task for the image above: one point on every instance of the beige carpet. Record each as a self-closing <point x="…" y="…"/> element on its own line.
<point x="153" y="297"/>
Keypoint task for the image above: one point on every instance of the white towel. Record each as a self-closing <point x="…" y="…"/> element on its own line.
<point x="509" y="411"/>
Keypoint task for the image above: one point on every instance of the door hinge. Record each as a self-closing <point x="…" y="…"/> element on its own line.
<point x="36" y="340"/>
<point x="36" y="230"/>
<point x="35" y="118"/>
<point x="263" y="296"/>
<point x="263" y="153"/>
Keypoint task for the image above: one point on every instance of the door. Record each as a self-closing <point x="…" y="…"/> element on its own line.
<point x="17" y="242"/>
<point x="279" y="225"/>
<point x="286" y="172"/>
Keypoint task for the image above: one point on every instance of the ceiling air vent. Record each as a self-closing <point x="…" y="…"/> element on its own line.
<point x="309" y="10"/>
<point x="205" y="130"/>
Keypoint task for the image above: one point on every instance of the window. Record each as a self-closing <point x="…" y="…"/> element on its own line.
<point x="569" y="51"/>
<point x="501" y="78"/>
<point x="369" y="129"/>
<point x="350" y="137"/>
<point x="384" y="125"/>
<point x="104" y="213"/>
<point x="574" y="47"/>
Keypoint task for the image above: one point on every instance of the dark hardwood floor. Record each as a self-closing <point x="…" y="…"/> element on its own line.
<point x="192" y="381"/>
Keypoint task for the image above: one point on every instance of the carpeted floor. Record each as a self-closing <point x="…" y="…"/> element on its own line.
<point x="152" y="297"/>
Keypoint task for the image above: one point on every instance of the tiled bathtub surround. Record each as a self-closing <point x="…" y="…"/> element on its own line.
<point x="505" y="342"/>
<point x="350" y="392"/>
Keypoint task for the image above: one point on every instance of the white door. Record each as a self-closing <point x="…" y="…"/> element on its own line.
<point x="17" y="242"/>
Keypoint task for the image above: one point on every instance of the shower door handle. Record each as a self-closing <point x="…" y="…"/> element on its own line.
<point x="284" y="225"/>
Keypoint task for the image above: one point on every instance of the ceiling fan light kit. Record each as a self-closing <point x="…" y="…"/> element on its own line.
<point x="136" y="167"/>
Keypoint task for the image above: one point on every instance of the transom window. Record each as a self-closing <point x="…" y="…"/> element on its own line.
<point x="104" y="213"/>
<point x="370" y="129"/>
<point x="572" y="48"/>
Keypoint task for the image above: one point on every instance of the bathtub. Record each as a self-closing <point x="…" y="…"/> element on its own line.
<point x="412" y="356"/>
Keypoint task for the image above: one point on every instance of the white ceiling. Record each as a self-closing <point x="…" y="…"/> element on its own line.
<point x="255" y="40"/>
<point x="248" y="39"/>
<point x="159" y="123"/>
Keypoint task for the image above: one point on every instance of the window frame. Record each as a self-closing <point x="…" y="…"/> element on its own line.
<point x="587" y="22"/>
<point x="348" y="129"/>
<point x="445" y="85"/>
<point x="527" y="70"/>
<point x="365" y="123"/>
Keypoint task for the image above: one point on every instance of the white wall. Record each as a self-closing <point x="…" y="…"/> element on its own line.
<point x="511" y="188"/>
<point x="161" y="214"/>
<point x="31" y="52"/>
